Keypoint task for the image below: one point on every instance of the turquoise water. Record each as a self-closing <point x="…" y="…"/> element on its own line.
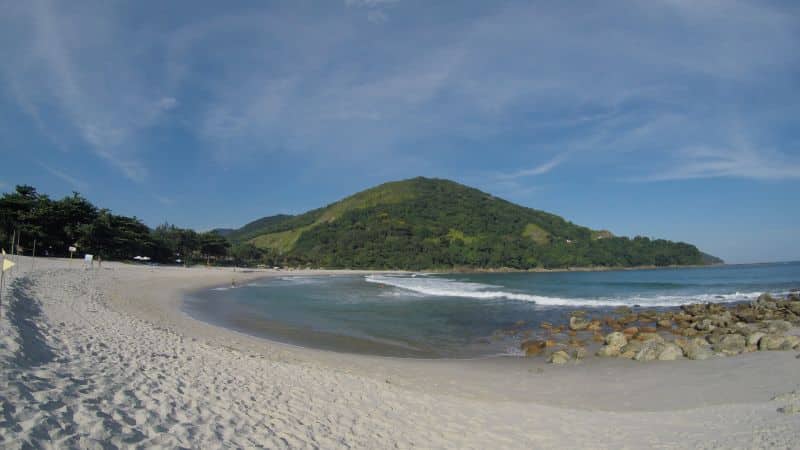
<point x="457" y="315"/>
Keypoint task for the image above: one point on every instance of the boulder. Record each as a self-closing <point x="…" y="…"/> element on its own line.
<point x="753" y="338"/>
<point x="777" y="326"/>
<point x="608" y="351"/>
<point x="765" y="301"/>
<point x="697" y="348"/>
<point x="616" y="339"/>
<point x="722" y="319"/>
<point x="630" y="332"/>
<point x="731" y="344"/>
<point x="670" y="352"/>
<point x="632" y="347"/>
<point x="623" y="310"/>
<point x="580" y="353"/>
<point x="533" y="348"/>
<point x="649" y="351"/>
<point x="578" y="323"/>
<point x="595" y="325"/>
<point x="704" y="325"/>
<point x="771" y="342"/>
<point x="765" y="297"/>
<point x="559" y="357"/>
<point x="690" y="332"/>
<point x="742" y="328"/>
<point x="791" y="342"/>
<point x="642" y="336"/>
<point x="664" y="323"/>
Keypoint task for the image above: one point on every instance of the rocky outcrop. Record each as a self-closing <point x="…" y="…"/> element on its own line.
<point x="696" y="332"/>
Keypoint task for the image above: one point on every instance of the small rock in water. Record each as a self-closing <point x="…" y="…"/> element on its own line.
<point x="533" y="348"/>
<point x="577" y="323"/>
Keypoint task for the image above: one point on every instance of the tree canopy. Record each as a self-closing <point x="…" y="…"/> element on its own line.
<point x="55" y="225"/>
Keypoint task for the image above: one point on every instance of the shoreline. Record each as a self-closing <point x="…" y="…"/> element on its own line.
<point x="183" y="322"/>
<point x="227" y="387"/>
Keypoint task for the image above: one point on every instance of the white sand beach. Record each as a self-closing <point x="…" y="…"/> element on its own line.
<point x="105" y="358"/>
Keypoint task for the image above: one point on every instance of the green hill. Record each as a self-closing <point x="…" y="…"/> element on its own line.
<point x="431" y="223"/>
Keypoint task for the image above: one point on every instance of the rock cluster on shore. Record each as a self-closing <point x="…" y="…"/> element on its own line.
<point x="695" y="331"/>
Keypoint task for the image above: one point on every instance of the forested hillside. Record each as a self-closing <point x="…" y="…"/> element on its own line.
<point x="431" y="223"/>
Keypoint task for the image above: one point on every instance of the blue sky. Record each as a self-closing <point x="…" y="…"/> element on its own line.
<point x="666" y="118"/>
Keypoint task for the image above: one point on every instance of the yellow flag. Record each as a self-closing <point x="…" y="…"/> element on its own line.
<point x="7" y="264"/>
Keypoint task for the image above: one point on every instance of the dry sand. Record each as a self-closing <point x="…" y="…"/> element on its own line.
<point x="106" y="359"/>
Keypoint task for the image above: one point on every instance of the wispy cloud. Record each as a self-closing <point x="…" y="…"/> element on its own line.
<point x="322" y="88"/>
<point x="75" y="183"/>
<point x="73" y="74"/>
<point x="369" y="3"/>
<point x="541" y="169"/>
<point x="377" y="16"/>
<point x="376" y="8"/>
<point x="705" y="162"/>
<point x="164" y="200"/>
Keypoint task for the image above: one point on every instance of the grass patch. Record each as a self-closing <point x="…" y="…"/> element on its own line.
<point x="536" y="233"/>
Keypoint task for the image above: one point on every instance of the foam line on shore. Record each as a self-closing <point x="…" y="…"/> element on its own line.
<point x="444" y="287"/>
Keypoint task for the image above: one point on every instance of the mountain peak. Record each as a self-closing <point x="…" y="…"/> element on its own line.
<point x="422" y="222"/>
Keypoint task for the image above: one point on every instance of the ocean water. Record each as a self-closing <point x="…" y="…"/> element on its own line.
<point x="459" y="315"/>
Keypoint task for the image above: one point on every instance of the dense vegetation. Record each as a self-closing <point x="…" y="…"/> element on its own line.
<point x="429" y="223"/>
<point x="413" y="224"/>
<point x="28" y="217"/>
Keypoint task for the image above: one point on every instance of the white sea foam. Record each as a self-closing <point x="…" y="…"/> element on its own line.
<point x="444" y="287"/>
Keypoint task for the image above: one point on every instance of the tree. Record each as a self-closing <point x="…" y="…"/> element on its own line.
<point x="213" y="245"/>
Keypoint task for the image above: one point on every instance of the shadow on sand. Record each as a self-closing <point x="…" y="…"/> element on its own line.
<point x="24" y="313"/>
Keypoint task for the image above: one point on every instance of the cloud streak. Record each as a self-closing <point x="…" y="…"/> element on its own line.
<point x="75" y="183"/>
<point x="611" y="83"/>
<point x="76" y="78"/>
<point x="704" y="162"/>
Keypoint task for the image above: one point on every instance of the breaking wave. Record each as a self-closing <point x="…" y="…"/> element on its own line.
<point x="444" y="287"/>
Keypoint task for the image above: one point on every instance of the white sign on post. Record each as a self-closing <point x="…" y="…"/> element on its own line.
<point x="72" y="249"/>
